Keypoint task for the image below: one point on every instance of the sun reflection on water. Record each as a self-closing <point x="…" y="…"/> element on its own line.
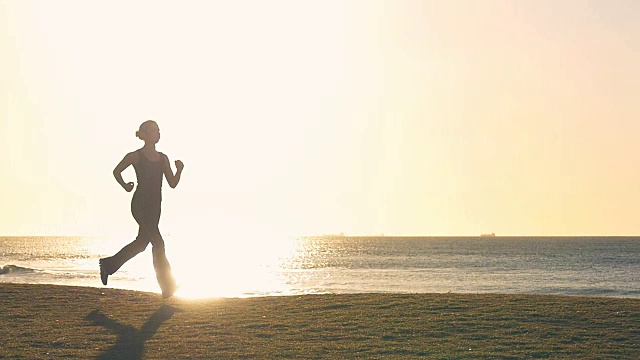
<point x="240" y="268"/>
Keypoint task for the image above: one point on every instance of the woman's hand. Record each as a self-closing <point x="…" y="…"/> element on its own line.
<point x="179" y="165"/>
<point x="172" y="179"/>
<point x="128" y="186"/>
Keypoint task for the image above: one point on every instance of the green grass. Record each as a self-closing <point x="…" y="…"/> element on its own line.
<point x="46" y="321"/>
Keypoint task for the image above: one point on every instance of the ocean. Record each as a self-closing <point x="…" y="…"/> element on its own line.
<point x="589" y="266"/>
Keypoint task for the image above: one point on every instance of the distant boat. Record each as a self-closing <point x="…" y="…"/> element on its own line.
<point x="488" y="235"/>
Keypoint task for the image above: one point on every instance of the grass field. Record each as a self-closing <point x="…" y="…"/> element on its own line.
<point x="48" y="321"/>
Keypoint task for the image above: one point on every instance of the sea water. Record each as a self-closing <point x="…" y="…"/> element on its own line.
<point x="592" y="266"/>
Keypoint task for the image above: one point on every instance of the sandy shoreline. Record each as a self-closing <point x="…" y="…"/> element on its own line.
<point x="48" y="321"/>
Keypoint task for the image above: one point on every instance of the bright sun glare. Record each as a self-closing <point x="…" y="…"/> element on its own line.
<point x="232" y="269"/>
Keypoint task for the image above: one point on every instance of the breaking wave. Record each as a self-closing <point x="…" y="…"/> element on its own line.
<point x="13" y="269"/>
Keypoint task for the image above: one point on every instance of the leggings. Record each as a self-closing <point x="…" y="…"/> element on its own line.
<point x="147" y="215"/>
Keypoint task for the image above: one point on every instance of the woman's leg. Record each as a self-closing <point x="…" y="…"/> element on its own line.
<point x="161" y="266"/>
<point x="151" y="219"/>
<point x="126" y="253"/>
<point x="110" y="265"/>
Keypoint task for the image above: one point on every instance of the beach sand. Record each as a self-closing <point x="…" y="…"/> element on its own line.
<point x="48" y="321"/>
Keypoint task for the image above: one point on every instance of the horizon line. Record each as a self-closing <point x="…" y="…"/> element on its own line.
<point x="363" y="235"/>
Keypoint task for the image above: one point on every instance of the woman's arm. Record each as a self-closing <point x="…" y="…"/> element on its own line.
<point x="172" y="179"/>
<point x="117" y="172"/>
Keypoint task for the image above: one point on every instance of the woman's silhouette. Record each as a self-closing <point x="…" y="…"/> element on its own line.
<point x="150" y="165"/>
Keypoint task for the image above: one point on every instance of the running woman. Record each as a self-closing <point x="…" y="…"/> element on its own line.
<point x="150" y="165"/>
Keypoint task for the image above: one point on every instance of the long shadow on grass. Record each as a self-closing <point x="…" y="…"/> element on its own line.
<point x="130" y="343"/>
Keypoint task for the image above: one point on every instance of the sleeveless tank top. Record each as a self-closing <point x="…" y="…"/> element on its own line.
<point x="149" y="175"/>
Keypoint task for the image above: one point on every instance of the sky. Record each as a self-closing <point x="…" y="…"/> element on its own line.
<point x="307" y="118"/>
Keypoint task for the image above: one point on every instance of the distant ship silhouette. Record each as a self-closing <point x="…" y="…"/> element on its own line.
<point x="488" y="235"/>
